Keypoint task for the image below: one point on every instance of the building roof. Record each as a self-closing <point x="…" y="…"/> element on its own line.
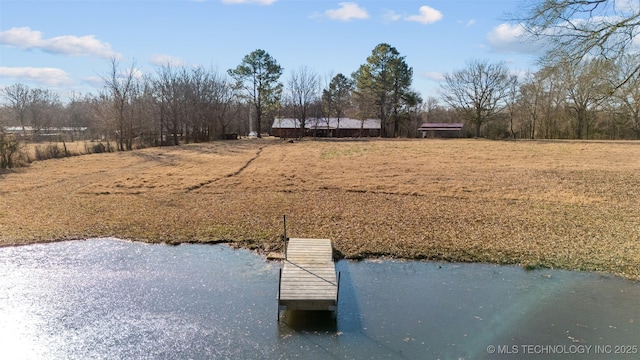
<point x="31" y="128"/>
<point x="322" y="123"/>
<point x="441" y="126"/>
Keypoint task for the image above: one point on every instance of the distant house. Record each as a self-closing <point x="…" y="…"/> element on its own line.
<point x="322" y="127"/>
<point x="47" y="131"/>
<point x="441" y="130"/>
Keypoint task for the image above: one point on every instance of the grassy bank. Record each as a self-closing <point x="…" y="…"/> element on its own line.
<point x="571" y="205"/>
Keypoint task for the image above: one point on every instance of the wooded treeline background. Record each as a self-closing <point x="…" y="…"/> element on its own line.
<point x="180" y="104"/>
<point x="587" y="87"/>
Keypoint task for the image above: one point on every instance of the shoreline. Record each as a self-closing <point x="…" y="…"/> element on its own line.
<point x="278" y="256"/>
<point x="556" y="205"/>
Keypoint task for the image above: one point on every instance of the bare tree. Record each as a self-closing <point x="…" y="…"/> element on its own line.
<point x="44" y="105"/>
<point x="478" y="92"/>
<point x="511" y="103"/>
<point x="324" y="105"/>
<point x="18" y="96"/>
<point x="552" y="104"/>
<point x="121" y="87"/>
<point x="78" y="114"/>
<point x="144" y="112"/>
<point x="627" y="96"/>
<point x="169" y="86"/>
<point x="586" y="86"/>
<point x="531" y="96"/>
<point x="198" y="99"/>
<point x="303" y="91"/>
<point x="226" y="105"/>
<point x="576" y="29"/>
<point x="430" y="105"/>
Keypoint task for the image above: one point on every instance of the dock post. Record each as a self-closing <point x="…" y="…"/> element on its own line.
<point x="284" y="236"/>
<point x="337" y="290"/>
<point x="279" y="288"/>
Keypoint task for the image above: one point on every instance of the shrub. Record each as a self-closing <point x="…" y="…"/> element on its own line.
<point x="53" y="151"/>
<point x="11" y="151"/>
<point x="97" y="148"/>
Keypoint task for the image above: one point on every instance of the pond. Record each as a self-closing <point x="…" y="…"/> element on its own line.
<point x="113" y="299"/>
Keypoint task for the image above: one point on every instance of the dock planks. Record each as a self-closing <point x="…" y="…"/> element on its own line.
<point x="308" y="279"/>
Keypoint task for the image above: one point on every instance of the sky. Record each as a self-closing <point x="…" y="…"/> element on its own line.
<point x="67" y="45"/>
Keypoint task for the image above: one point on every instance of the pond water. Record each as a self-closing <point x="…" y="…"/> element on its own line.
<point x="114" y="299"/>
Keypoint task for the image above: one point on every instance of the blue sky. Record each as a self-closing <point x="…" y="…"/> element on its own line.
<point x="66" y="45"/>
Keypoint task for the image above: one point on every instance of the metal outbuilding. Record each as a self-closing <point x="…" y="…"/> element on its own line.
<point x="441" y="130"/>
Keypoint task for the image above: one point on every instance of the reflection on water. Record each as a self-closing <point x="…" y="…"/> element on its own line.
<point x="316" y="321"/>
<point x="112" y="299"/>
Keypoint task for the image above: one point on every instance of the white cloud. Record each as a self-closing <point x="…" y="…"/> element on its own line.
<point x="468" y="23"/>
<point x="25" y="38"/>
<point x="22" y="37"/>
<point x="46" y="76"/>
<point x="435" y="76"/>
<point x="391" y="16"/>
<point x="347" y="11"/>
<point x="260" y="2"/>
<point x="428" y="15"/>
<point x="506" y="38"/>
<point x="163" y="59"/>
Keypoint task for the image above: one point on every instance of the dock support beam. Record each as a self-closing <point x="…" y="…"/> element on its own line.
<point x="284" y="235"/>
<point x="279" y="288"/>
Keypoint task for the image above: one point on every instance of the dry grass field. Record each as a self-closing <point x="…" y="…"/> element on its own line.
<point x="70" y="148"/>
<point x="572" y="205"/>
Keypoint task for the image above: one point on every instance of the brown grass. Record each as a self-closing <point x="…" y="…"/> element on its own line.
<point x="64" y="149"/>
<point x="572" y="205"/>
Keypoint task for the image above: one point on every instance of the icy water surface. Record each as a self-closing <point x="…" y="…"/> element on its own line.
<point x="113" y="299"/>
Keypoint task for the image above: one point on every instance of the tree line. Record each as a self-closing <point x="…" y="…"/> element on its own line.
<point x="588" y="87"/>
<point x="592" y="99"/>
<point x="184" y="104"/>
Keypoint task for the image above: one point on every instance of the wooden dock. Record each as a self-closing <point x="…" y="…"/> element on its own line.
<point x="308" y="278"/>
